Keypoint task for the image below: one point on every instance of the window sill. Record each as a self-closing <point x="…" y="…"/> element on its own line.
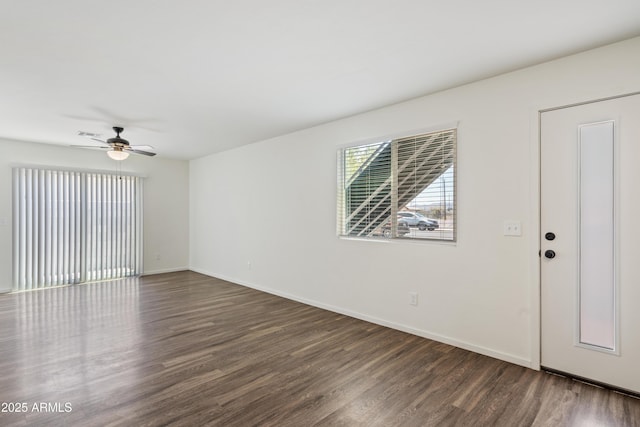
<point x="400" y="240"/>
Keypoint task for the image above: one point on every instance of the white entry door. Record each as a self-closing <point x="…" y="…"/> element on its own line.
<point x="590" y="241"/>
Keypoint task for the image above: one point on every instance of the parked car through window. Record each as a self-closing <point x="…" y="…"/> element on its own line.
<point x="413" y="219"/>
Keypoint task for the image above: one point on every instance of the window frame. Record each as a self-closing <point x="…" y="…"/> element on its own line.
<point x="393" y="140"/>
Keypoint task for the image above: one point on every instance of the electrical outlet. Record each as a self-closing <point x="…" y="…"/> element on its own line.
<point x="512" y="228"/>
<point x="413" y="298"/>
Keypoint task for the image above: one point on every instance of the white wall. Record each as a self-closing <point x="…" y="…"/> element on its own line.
<point x="166" y="200"/>
<point x="273" y="204"/>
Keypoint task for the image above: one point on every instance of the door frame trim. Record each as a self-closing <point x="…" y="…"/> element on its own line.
<point x="593" y="101"/>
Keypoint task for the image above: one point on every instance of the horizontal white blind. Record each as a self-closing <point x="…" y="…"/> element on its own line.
<point x="71" y="227"/>
<point x="399" y="188"/>
<point x="365" y="192"/>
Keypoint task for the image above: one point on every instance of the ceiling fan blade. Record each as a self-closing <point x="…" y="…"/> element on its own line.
<point x="94" y="147"/>
<point x="141" y="147"/>
<point x="88" y="134"/>
<point x="146" y="153"/>
<point x="92" y="136"/>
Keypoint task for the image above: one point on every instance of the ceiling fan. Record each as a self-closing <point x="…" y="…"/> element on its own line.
<point x="118" y="148"/>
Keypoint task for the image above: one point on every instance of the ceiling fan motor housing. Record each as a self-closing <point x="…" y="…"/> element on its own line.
<point x="117" y="141"/>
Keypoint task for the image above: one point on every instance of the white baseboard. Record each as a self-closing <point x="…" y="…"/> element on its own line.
<point x="393" y="325"/>
<point x="167" y="270"/>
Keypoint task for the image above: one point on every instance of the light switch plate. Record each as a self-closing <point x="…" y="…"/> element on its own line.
<point x="513" y="228"/>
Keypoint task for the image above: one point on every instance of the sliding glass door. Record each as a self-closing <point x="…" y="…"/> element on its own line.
<point x="72" y="227"/>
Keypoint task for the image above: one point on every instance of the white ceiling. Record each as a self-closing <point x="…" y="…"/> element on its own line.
<point x="195" y="77"/>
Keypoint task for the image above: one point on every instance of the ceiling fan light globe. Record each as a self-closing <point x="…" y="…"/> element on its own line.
<point x="117" y="154"/>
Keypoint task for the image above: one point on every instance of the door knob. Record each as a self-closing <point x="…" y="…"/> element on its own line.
<point x="550" y="236"/>
<point x="549" y="254"/>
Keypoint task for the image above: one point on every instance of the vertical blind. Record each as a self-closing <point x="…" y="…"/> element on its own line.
<point x="413" y="175"/>
<point x="72" y="227"/>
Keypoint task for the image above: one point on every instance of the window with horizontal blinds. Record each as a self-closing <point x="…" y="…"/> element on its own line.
<point x="400" y="188"/>
<point x="72" y="227"/>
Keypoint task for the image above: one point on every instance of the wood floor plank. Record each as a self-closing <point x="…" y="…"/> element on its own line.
<point x="186" y="349"/>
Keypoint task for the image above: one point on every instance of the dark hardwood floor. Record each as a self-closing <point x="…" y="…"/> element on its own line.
<point x="187" y="349"/>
